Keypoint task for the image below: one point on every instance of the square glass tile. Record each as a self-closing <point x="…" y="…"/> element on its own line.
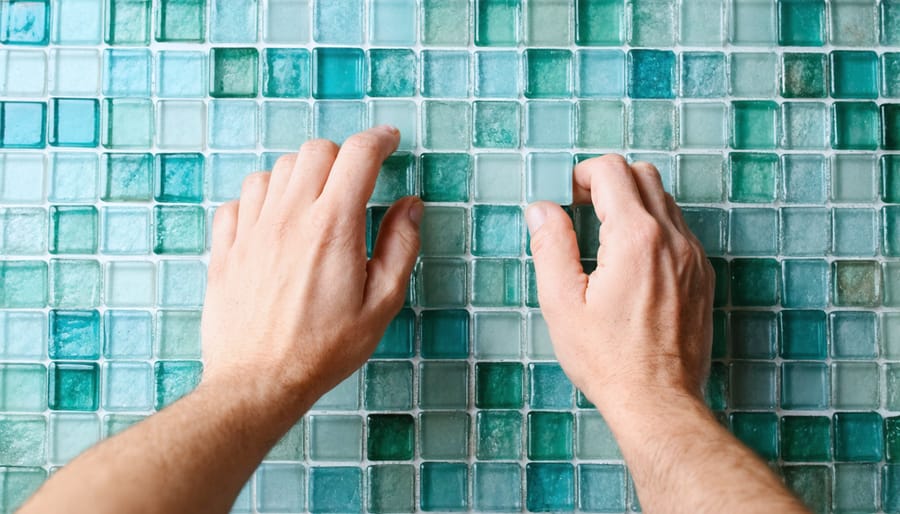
<point x="125" y="123"/>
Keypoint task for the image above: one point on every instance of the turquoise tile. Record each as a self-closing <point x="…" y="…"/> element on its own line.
<point x="24" y="231"/>
<point x="181" y="283"/>
<point x="497" y="335"/>
<point x="550" y="436"/>
<point x="286" y="73"/>
<point x="71" y="434"/>
<point x="127" y="386"/>
<point x="496" y="231"/>
<point x="233" y="21"/>
<point x="496" y="125"/>
<point x="853" y="23"/>
<point x="548" y="177"/>
<point x="389" y="385"/>
<point x="805" y="283"/>
<point x="497" y="74"/>
<point x="446" y="23"/>
<point x="497" y="487"/>
<point x="805" y="231"/>
<point x="497" y="22"/>
<point x="548" y="73"/>
<point x="280" y="487"/>
<point x="287" y="21"/>
<point x="754" y="231"/>
<point x="445" y="334"/>
<point x="338" y="22"/>
<point x="496" y="283"/>
<point x="399" y="337"/>
<point x="401" y="114"/>
<point x="23" y="124"/>
<point x="549" y="124"/>
<point x="127" y="22"/>
<point x="854" y="178"/>
<point x="392" y="22"/>
<point x="812" y="484"/>
<point x="443" y="385"/>
<point x="600" y="124"/>
<point x="391" y="488"/>
<point x="74" y="122"/>
<point x="30" y="432"/>
<point x="445" y="177"/>
<point x="890" y="80"/>
<point x="442" y="128"/>
<point x="804" y="178"/>
<point x="855" y="232"/>
<point x="855" y="126"/>
<point x="801" y="22"/>
<point x="174" y="379"/>
<point x="334" y="489"/>
<point x="600" y="22"/>
<point x="127" y="334"/>
<point x="601" y="487"/>
<point x="441" y="282"/>
<point x="858" y="437"/>
<point x="391" y="72"/>
<point x="803" y="334"/>
<point x="24" y="284"/>
<point x="855" y="385"/>
<point x="181" y="21"/>
<point x="703" y="75"/>
<point x="444" y="487"/>
<point x="550" y="487"/>
<point x="127" y="123"/>
<point x="754" y="125"/>
<point x="126" y="72"/>
<point x="758" y="430"/>
<point x="19" y="330"/>
<point x="338" y="73"/>
<point x="803" y="75"/>
<point x="25" y="22"/>
<point x="443" y="435"/>
<point x="651" y="125"/>
<point x="24" y="386"/>
<point x="652" y="23"/>
<point x="77" y="283"/>
<point x="445" y="74"/>
<point x="74" y="386"/>
<point x="651" y="74"/>
<point x="77" y="23"/>
<point x="805" y="125"/>
<point x="177" y="334"/>
<point x="854" y="74"/>
<point x="805" y="386"/>
<point x="753" y="74"/>
<point x="549" y="387"/>
<point x="21" y="484"/>
<point x="74" y="335"/>
<point x="335" y="438"/>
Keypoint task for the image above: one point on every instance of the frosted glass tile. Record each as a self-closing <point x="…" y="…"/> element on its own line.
<point x="23" y="73"/>
<point x="548" y="177"/>
<point x="233" y="21"/>
<point x="498" y="178"/>
<point x="285" y="125"/>
<point x="77" y="22"/>
<point x="181" y="74"/>
<point x="400" y="114"/>
<point x="180" y="125"/>
<point x="74" y="72"/>
<point x="338" y="22"/>
<point x="392" y="22"/>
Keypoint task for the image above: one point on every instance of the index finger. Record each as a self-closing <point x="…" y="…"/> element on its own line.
<point x="353" y="175"/>
<point x="609" y="184"/>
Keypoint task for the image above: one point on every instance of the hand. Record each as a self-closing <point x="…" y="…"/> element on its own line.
<point x="640" y="326"/>
<point x="292" y="304"/>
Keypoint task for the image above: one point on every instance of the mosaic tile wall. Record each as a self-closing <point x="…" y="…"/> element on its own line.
<point x="123" y="123"/>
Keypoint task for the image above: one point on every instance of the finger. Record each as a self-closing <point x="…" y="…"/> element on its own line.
<point x="560" y="277"/>
<point x="609" y="183"/>
<point x="224" y="229"/>
<point x="678" y="220"/>
<point x="253" y="196"/>
<point x="355" y="170"/>
<point x="281" y="175"/>
<point x="653" y="195"/>
<point x="311" y="168"/>
<point x="394" y="255"/>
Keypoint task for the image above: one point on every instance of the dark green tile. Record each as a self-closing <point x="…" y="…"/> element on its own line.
<point x="890" y="178"/>
<point x="390" y="437"/>
<point x="855" y="126"/>
<point x="550" y="487"/>
<point x="892" y="439"/>
<point x="398" y="339"/>
<point x="755" y="282"/>
<point x="548" y="73"/>
<point x="890" y="120"/>
<point x="806" y="438"/>
<point x="803" y="335"/>
<point x="499" y="385"/>
<point x="445" y="334"/>
<point x="550" y="435"/>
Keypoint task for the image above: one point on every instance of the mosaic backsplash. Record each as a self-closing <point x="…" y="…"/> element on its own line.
<point x="123" y="123"/>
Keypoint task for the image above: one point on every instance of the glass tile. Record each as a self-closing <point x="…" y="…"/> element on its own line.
<point x="77" y="22"/>
<point x="391" y="488"/>
<point x="652" y="23"/>
<point x="443" y="385"/>
<point x="280" y="487"/>
<point x="758" y="430"/>
<point x="389" y="385"/>
<point x="334" y="489"/>
<point x="446" y="23"/>
<point x="806" y="438"/>
<point x="853" y="23"/>
<point x="443" y="435"/>
<point x="550" y="487"/>
<point x="335" y="438"/>
<point x="497" y="22"/>
<point x="801" y="22"/>
<point x="702" y="73"/>
<point x="753" y="74"/>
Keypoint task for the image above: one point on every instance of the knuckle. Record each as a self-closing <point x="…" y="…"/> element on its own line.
<point x="226" y="213"/>
<point x="683" y="250"/>
<point x="319" y="146"/>
<point x="649" y="232"/>
<point x="255" y="180"/>
<point x="286" y="161"/>
<point x="363" y="142"/>
<point x="613" y="159"/>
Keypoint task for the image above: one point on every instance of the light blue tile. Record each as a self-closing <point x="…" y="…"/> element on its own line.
<point x="337" y="120"/>
<point x="392" y="22"/>
<point x="548" y="176"/>
<point x="233" y="124"/>
<point x="233" y="21"/>
<point x="338" y="21"/>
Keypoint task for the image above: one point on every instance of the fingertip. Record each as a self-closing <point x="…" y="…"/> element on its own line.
<point x="416" y="211"/>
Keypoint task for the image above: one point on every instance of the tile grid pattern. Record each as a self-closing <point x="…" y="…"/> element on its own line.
<point x="418" y="99"/>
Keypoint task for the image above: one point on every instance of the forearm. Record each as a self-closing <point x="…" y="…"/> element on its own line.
<point x="675" y="448"/>
<point x="193" y="456"/>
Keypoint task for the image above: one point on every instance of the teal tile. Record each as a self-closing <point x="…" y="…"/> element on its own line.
<point x="652" y="125"/>
<point x="803" y="75"/>
<point x="753" y="385"/>
<point x="179" y="178"/>
<point x="854" y="178"/>
<point x="652" y="23"/>
<point x="443" y="435"/>
<point x="390" y="437"/>
<point x="803" y="334"/>
<point x="338" y="73"/>
<point x="548" y="73"/>
<point x="181" y="21"/>
<point x="890" y="79"/>
<point x="127" y="22"/>
<point x="600" y="22"/>
<point x="392" y="72"/>
<point x="335" y="438"/>
<point x="443" y="487"/>
<point x="753" y="177"/>
<point x="175" y="379"/>
<point x="890" y="487"/>
<point x="497" y="487"/>
<point x="855" y="126"/>
<point x="401" y="114"/>
<point x="73" y="229"/>
<point x="280" y="487"/>
<point x="805" y="283"/>
<point x="30" y="433"/>
<point x="601" y="487"/>
<point x="286" y="73"/>
<point x="496" y="231"/>
<point x="74" y="386"/>
<point x="855" y="232"/>
<point x="177" y="334"/>
<point x="446" y="23"/>
<point x="396" y="179"/>
<point x="344" y="396"/>
<point x="854" y="74"/>
<point x="389" y="385"/>
<point x="444" y="231"/>
<point x="497" y="22"/>
<point x="651" y="73"/>
<point x="891" y="237"/>
<point x="24" y="387"/>
<point x="703" y="74"/>
<point x="397" y="342"/>
<point x="233" y="72"/>
<point x="290" y="446"/>
<point x="497" y="124"/>
<point x="393" y="22"/>
<point x="758" y="430"/>
<point x="812" y="484"/>
<point x="548" y="23"/>
<point x="499" y="385"/>
<point x="445" y="74"/>
<point x="754" y="124"/>
<point x="391" y="488"/>
<point x="805" y="386"/>
<point x="179" y="230"/>
<point x="441" y="283"/>
<point x="20" y="483"/>
<point x="855" y="385"/>
<point x="805" y="231"/>
<point x="75" y="122"/>
<point x="445" y="334"/>
<point x="498" y="435"/>
<point x="549" y="124"/>
<point x="801" y="22"/>
<point x="334" y="489"/>
<point x="126" y="177"/>
<point x="77" y="283"/>
<point x="445" y="177"/>
<point x="855" y="488"/>
<point x="74" y="335"/>
<point x="804" y="178"/>
<point x="806" y="438"/>
<point x="550" y="487"/>
<point x="858" y="436"/>
<point x="549" y="387"/>
<point x="23" y="124"/>
<point x="339" y="21"/>
<point x="496" y="283"/>
<point x="446" y="125"/>
<point x="891" y="398"/>
<point x="594" y="439"/>
<point x="443" y="385"/>
<point x="890" y="115"/>
<point x="754" y="335"/>
<point x="754" y="231"/>
<point x="599" y="73"/>
<point x="550" y="436"/>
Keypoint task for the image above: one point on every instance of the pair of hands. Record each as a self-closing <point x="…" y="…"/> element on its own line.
<point x="292" y="298"/>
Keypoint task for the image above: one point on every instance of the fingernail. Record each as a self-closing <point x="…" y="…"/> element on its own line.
<point x="416" y="210"/>
<point x="390" y="129"/>
<point x="535" y="216"/>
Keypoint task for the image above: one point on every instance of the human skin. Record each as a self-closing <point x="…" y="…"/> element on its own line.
<point x="293" y="307"/>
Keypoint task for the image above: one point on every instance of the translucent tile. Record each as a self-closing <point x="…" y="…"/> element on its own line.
<point x="710" y="226"/>
<point x="445" y="23"/>
<point x="443" y="385"/>
<point x="441" y="283"/>
<point x="549" y="487"/>
<point x="445" y="125"/>
<point x="181" y="283"/>
<point x="127" y="22"/>
<point x="443" y="486"/>
<point x="280" y="487"/>
<point x="858" y="437"/>
<point x="25" y="22"/>
<point x="804" y="178"/>
<point x="234" y="72"/>
<point x="390" y="437"/>
<point x="127" y="123"/>
<point x="337" y="120"/>
<point x="233" y="21"/>
<point x="179" y="229"/>
<point x="699" y="178"/>
<point x="21" y="483"/>
<point x="445" y="176"/>
<point x="855" y="385"/>
<point x="24" y="387"/>
<point x="548" y="176"/>
<point x="497" y="124"/>
<point x="285" y="125"/>
<point x="74" y="335"/>
<point x="550" y="436"/>
<point x="757" y="25"/>
<point x="127" y="386"/>
<point x="855" y="126"/>
<point x="754" y="335"/>
<point x="803" y="75"/>
<point x="856" y="283"/>
<point x="812" y="484"/>
<point x="805" y="386"/>
<point x="24" y="284"/>
<point x="30" y="431"/>
<point x="498" y="178"/>
<point x="753" y="74"/>
<point x="758" y="430"/>
<point x="23" y="124"/>
<point x="891" y="272"/>
<point x="805" y="283"/>
<point x="497" y="487"/>
<point x="181" y="21"/>
<point x="702" y="125"/>
<point x="392" y="72"/>
<point x="652" y="23"/>
<point x="890" y="73"/>
<point x="127" y="334"/>
<point x="549" y="388"/>
<point x="890" y="335"/>
<point x="703" y="74"/>
<point x="891" y="241"/>
<point x="855" y="232"/>
<point x="391" y="488"/>
<point x="23" y="231"/>
<point x="445" y="334"/>
<point x="754" y="231"/>
<point x="126" y="177"/>
<point x="497" y="22"/>
<point x="496" y="231"/>
<point x="74" y="283"/>
<point x="74" y="386"/>
<point x="855" y="487"/>
<point x="853" y="23"/>
<point x="77" y="22"/>
<point x="493" y="72"/>
<point x="600" y="73"/>
<point x="806" y="438"/>
<point x="181" y="125"/>
<point x="652" y="125"/>
<point x="854" y="74"/>
<point x="400" y="114"/>
<point x="549" y="124"/>
<point x="335" y="438"/>
<point x="853" y="178"/>
<point x="335" y="489"/>
<point x="181" y="74"/>
<point x="443" y="435"/>
<point x="23" y="73"/>
<point x="174" y="379"/>
<point x="286" y="21"/>
<point x="890" y="21"/>
<point x="702" y="23"/>
<point x="651" y="74"/>
<point x="74" y="178"/>
<point x="70" y="434"/>
<point x="344" y="396"/>
<point x="805" y="231"/>
<point x="499" y="435"/>
<point x="225" y="173"/>
<point x="548" y="23"/>
<point x="396" y="179"/>
<point x="805" y="125"/>
<point x="126" y="72"/>
<point x="753" y="385"/>
<point x="891" y="402"/>
<point x="339" y="21"/>
<point x="600" y="124"/>
<point x="73" y="229"/>
<point x="801" y="23"/>
<point x="754" y="124"/>
<point x="594" y="439"/>
<point x="338" y="73"/>
<point x="178" y="335"/>
<point x="499" y="385"/>
<point x="389" y="386"/>
<point x="233" y="124"/>
<point x="74" y="72"/>
<point x="890" y="488"/>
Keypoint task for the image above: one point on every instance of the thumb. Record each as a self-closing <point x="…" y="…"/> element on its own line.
<point x="561" y="281"/>
<point x="394" y="255"/>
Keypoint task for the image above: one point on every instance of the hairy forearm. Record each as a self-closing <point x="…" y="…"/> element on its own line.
<point x="193" y="456"/>
<point x="675" y="449"/>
